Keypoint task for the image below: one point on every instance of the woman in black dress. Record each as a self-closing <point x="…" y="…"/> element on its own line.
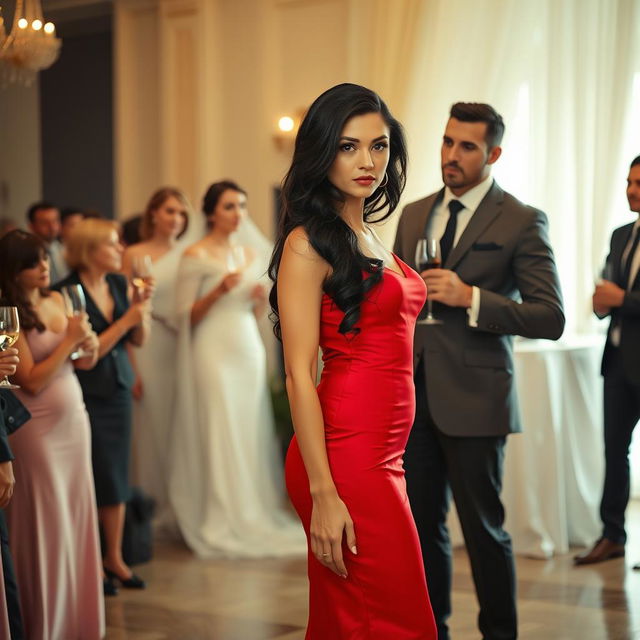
<point x="94" y="254"/>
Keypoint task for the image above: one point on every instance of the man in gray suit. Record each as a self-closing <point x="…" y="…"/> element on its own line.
<point x="498" y="279"/>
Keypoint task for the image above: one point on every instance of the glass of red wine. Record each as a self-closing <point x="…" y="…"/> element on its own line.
<point x="428" y="257"/>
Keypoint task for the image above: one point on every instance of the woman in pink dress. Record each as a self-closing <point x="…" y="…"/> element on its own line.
<point x="52" y="517"/>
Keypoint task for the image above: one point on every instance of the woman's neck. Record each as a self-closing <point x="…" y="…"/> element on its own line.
<point x="33" y="296"/>
<point x="162" y="241"/>
<point x="219" y="238"/>
<point x="92" y="276"/>
<point x="353" y="214"/>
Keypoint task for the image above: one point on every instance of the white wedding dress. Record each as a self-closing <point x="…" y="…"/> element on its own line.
<point x="153" y="413"/>
<point x="226" y="482"/>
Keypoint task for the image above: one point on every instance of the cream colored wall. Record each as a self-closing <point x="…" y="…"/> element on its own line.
<point x="20" y="166"/>
<point x="200" y="85"/>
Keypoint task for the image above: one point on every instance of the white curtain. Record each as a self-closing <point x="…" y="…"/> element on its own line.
<point x="562" y="73"/>
<point x="565" y="75"/>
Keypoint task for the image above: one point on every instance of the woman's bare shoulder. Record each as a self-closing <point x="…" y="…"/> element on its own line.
<point x="138" y="249"/>
<point x="298" y="243"/>
<point x="196" y="250"/>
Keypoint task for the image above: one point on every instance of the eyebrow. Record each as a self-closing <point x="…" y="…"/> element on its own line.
<point x="384" y="137"/>
<point x="446" y="137"/>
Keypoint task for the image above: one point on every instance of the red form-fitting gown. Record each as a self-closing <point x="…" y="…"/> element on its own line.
<point x="368" y="403"/>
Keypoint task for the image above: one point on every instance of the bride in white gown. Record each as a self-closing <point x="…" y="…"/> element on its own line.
<point x="226" y="484"/>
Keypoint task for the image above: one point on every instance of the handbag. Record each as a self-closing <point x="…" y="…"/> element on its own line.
<point x="137" y="536"/>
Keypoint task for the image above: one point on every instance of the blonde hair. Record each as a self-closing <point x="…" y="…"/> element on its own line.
<point x="86" y="236"/>
<point x="155" y="202"/>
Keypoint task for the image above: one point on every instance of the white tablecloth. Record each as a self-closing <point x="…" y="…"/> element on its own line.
<point x="554" y="469"/>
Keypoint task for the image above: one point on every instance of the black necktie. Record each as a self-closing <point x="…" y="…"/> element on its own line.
<point x="626" y="274"/>
<point x="446" y="242"/>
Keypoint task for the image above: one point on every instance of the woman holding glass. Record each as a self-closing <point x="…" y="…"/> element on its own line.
<point x="94" y="254"/>
<point x="53" y="528"/>
<point x="164" y="222"/>
<point x="226" y="486"/>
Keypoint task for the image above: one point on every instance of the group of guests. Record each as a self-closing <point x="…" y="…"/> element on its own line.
<point x="173" y="354"/>
<point x="381" y="443"/>
<point x="71" y="456"/>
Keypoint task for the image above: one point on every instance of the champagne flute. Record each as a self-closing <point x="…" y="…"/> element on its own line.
<point x="9" y="332"/>
<point x="142" y="270"/>
<point x="428" y="257"/>
<point x="236" y="259"/>
<point x="75" y="304"/>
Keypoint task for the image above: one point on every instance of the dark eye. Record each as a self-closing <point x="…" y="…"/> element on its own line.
<point x="468" y="146"/>
<point x="347" y="146"/>
<point x="380" y="146"/>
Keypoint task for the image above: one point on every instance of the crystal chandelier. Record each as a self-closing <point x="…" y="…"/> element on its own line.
<point x="30" y="46"/>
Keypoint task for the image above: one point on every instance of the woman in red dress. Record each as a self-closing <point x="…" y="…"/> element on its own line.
<point x="337" y="287"/>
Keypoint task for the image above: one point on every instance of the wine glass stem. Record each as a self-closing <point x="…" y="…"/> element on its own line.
<point x="429" y="309"/>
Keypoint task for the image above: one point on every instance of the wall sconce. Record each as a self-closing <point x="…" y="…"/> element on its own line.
<point x="288" y="125"/>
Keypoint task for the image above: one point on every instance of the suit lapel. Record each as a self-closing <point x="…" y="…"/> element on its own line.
<point x="420" y="224"/>
<point x="616" y="254"/>
<point x="485" y="214"/>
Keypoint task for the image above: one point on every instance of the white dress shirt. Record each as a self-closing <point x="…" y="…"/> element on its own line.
<point x="471" y="201"/>
<point x="635" y="259"/>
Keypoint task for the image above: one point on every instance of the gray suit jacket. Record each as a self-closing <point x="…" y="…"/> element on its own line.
<point x="469" y="371"/>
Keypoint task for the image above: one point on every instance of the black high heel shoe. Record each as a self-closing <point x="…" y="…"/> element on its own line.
<point x="108" y="588"/>
<point x="134" y="582"/>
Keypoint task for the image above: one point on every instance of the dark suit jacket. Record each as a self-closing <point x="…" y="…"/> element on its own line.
<point x="628" y="315"/>
<point x="505" y="252"/>
<point x="13" y="414"/>
<point x="114" y="369"/>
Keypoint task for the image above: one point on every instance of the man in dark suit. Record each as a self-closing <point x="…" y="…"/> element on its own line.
<point x="44" y="222"/>
<point x="499" y="279"/>
<point x="12" y="415"/>
<point x="618" y="295"/>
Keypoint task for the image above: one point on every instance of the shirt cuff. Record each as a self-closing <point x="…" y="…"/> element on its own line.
<point x="474" y="310"/>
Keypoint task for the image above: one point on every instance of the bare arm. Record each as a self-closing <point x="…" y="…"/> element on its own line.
<point x="259" y="297"/>
<point x="299" y="299"/>
<point x="89" y="346"/>
<point x="32" y="376"/>
<point x="201" y="307"/>
<point x="300" y="279"/>
<point x="141" y="329"/>
<point x="133" y="318"/>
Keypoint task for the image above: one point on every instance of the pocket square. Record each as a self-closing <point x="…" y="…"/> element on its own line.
<point x="486" y="246"/>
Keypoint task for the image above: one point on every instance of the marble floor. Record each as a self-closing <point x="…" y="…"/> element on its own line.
<point x="190" y="599"/>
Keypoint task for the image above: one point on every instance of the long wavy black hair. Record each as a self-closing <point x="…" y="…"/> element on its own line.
<point x="311" y="201"/>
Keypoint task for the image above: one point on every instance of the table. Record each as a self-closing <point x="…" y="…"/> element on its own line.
<point x="554" y="470"/>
